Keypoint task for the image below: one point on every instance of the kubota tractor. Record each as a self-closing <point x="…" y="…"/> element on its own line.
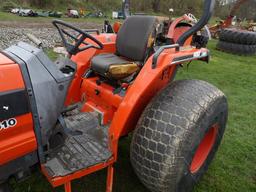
<point x="67" y="117"/>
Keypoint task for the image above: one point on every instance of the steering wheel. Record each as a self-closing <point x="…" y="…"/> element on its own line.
<point x="74" y="48"/>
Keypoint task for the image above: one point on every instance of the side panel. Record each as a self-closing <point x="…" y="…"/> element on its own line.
<point x="5" y="60"/>
<point x="49" y="84"/>
<point x="13" y="104"/>
<point x="82" y="60"/>
<point x="12" y="72"/>
<point x="147" y="85"/>
<point x="17" y="141"/>
<point x="17" y="137"/>
<point x="100" y="98"/>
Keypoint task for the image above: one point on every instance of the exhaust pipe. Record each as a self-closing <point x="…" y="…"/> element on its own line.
<point x="35" y="40"/>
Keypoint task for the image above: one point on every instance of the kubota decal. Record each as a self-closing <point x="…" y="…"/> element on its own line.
<point x="8" y="123"/>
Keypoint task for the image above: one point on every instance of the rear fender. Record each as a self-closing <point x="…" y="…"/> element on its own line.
<point x="147" y="85"/>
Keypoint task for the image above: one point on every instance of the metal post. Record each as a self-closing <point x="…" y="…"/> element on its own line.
<point x="67" y="187"/>
<point x="110" y="178"/>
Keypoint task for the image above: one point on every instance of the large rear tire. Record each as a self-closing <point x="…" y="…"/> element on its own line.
<point x="238" y="49"/>
<point x="178" y="135"/>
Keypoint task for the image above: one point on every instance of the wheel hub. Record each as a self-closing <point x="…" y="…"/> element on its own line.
<point x="204" y="149"/>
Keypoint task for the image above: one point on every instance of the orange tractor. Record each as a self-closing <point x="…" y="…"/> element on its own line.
<point x="66" y="118"/>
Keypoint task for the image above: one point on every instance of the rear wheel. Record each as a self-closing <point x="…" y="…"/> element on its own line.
<point x="178" y="135"/>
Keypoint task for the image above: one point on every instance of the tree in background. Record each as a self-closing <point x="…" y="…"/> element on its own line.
<point x="156" y="5"/>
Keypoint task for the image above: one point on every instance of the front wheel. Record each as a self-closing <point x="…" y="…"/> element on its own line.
<point x="178" y="135"/>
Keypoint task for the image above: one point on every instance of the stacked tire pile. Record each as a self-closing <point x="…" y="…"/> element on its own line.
<point x="239" y="42"/>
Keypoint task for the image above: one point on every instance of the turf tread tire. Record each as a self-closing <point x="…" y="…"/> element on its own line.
<point x="238" y="36"/>
<point x="161" y="145"/>
<point x="237" y="49"/>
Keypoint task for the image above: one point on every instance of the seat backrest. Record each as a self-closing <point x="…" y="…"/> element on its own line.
<point x="135" y="37"/>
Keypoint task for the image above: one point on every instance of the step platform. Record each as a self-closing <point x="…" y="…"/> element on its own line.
<point x="86" y="145"/>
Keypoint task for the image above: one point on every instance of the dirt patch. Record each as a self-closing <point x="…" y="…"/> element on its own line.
<point x="13" y="32"/>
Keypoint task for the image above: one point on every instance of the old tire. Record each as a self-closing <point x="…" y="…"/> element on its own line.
<point x="238" y="49"/>
<point x="238" y="36"/>
<point x="184" y="118"/>
<point x="216" y="35"/>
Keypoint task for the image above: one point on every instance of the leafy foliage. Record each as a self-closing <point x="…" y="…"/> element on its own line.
<point x="7" y="5"/>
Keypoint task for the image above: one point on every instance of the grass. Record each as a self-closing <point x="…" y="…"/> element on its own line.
<point x="51" y="54"/>
<point x="233" y="169"/>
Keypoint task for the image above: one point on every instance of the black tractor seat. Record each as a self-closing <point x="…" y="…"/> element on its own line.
<point x="134" y="44"/>
<point x="113" y="66"/>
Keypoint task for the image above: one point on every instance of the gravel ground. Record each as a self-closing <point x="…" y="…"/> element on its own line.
<point x="13" y="32"/>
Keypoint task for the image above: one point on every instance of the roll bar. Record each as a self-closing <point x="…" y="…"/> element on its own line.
<point x="208" y="11"/>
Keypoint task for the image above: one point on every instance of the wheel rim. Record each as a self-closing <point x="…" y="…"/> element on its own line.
<point x="204" y="149"/>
